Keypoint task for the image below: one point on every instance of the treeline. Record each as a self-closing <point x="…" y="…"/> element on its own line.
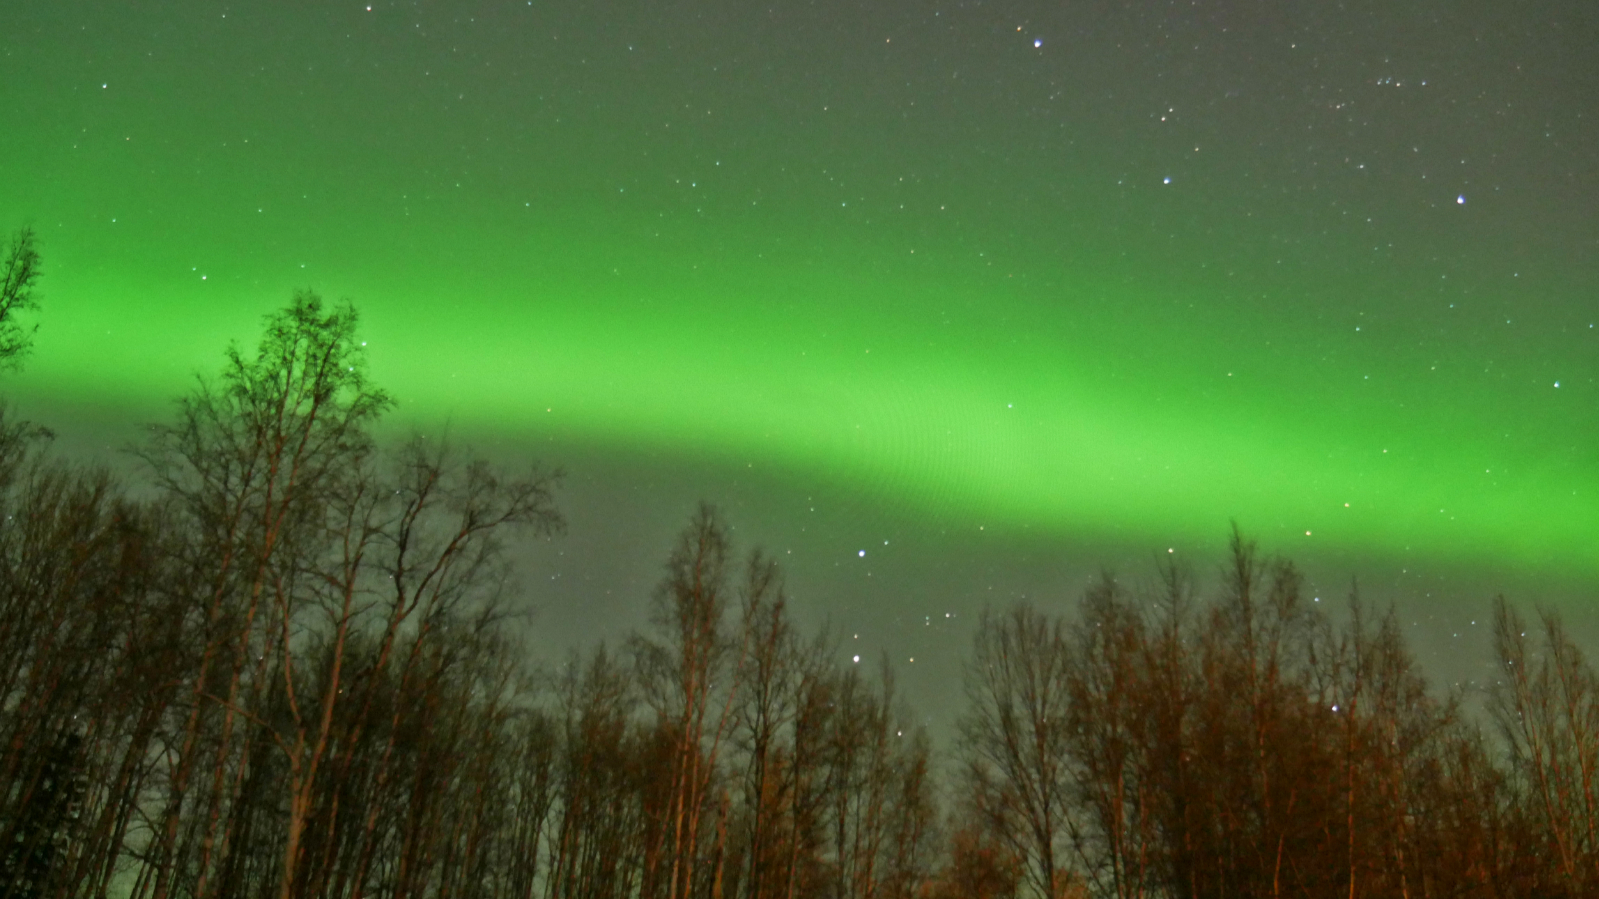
<point x="1154" y="744"/>
<point x="289" y="667"/>
<point x="286" y="663"/>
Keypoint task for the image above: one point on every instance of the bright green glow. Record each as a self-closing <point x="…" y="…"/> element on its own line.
<point x="1111" y="359"/>
<point x="935" y="386"/>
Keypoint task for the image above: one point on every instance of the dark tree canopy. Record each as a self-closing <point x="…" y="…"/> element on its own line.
<point x="17" y="295"/>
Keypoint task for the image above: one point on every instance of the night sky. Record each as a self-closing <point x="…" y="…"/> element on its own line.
<point x="945" y="303"/>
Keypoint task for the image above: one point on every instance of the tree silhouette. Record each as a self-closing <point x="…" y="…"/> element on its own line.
<point x="16" y="295"/>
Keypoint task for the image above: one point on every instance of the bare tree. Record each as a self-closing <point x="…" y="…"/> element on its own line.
<point x="910" y="818"/>
<point x="1172" y="685"/>
<point x="1260" y="768"/>
<point x="690" y="674"/>
<point x="17" y="282"/>
<point x="401" y="559"/>
<point x="1014" y="737"/>
<point x="77" y="702"/>
<point x="1547" y="708"/>
<point x="806" y="782"/>
<point x="250" y="462"/>
<point x="535" y="745"/>
<point x="1107" y="739"/>
<point x="596" y="849"/>
<point x="976" y="868"/>
<point x="767" y="710"/>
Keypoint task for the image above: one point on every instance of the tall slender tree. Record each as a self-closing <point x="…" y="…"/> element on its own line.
<point x="18" y="279"/>
<point x="1014" y="739"/>
<point x="691" y="671"/>
<point x="252" y="463"/>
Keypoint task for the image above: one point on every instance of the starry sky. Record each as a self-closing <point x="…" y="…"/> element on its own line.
<point x="945" y="303"/>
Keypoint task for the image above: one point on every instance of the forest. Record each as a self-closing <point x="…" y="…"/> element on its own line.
<point x="287" y="660"/>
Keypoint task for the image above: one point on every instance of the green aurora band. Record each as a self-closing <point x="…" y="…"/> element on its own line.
<point x="1098" y="353"/>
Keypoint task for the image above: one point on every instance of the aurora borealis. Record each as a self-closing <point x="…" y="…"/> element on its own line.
<point x="998" y="280"/>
